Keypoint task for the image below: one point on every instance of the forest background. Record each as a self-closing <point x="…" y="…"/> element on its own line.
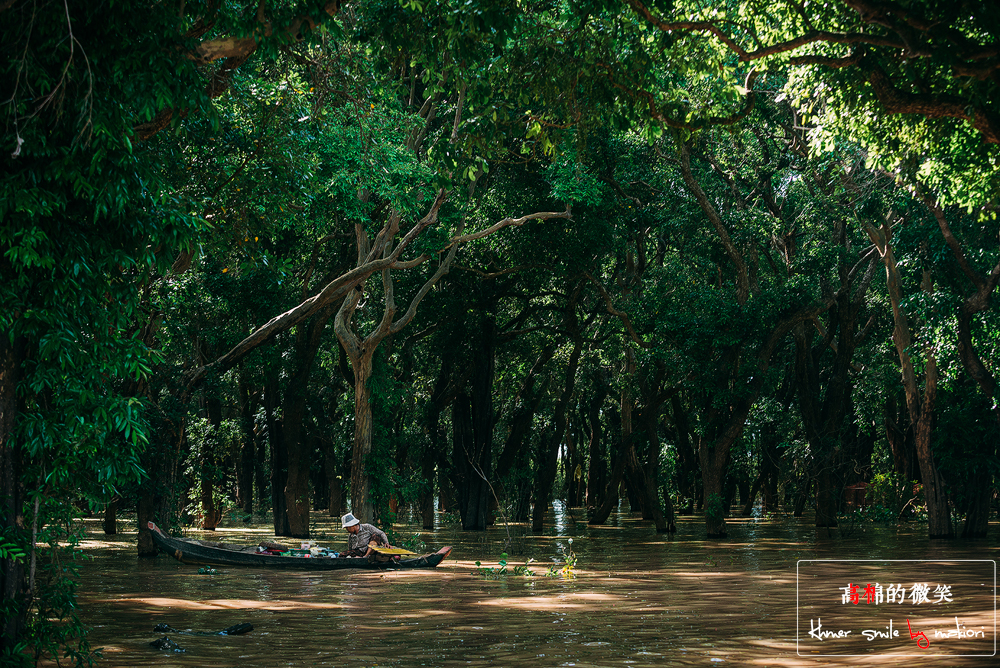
<point x="269" y="258"/>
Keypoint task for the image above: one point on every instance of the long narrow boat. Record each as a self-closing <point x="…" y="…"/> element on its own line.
<point x="205" y="553"/>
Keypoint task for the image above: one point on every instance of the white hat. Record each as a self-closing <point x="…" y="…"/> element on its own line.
<point x="349" y="520"/>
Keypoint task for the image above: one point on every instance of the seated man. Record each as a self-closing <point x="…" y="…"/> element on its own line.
<point x="360" y="535"/>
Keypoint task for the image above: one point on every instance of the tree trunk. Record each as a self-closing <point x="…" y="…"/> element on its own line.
<point x="248" y="446"/>
<point x="714" y="461"/>
<point x="153" y="499"/>
<point x="921" y="412"/>
<point x="473" y="419"/>
<point x="597" y="468"/>
<point x="571" y="480"/>
<point x="549" y="447"/>
<point x="729" y="489"/>
<point x="261" y="478"/>
<point x="826" y="500"/>
<point x="751" y="496"/>
<point x="610" y="496"/>
<point x="431" y="455"/>
<point x="938" y="511"/>
<point x="362" y="505"/>
<point x="980" y="490"/>
<point x="900" y="438"/>
<point x="626" y="403"/>
<point x="977" y="510"/>
<point x="319" y="484"/>
<point x="426" y="498"/>
<point x="664" y="521"/>
<point x="472" y="490"/>
<point x="547" y="463"/>
<point x="279" y="457"/>
<point x="296" y="490"/>
<point x="307" y="343"/>
<point x="334" y="480"/>
<point x="446" y="494"/>
<point x="435" y="448"/>
<point x="803" y="496"/>
<point x="769" y="469"/>
<point x="687" y="471"/>
<point x="110" y="523"/>
<point x="210" y="514"/>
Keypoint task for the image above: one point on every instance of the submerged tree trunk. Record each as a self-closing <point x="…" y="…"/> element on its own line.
<point x="470" y="482"/>
<point x="296" y="490"/>
<point x="687" y="470"/>
<point x="714" y="460"/>
<point x="610" y="496"/>
<point x="921" y="410"/>
<point x="279" y="457"/>
<point x="211" y="515"/>
<point x="826" y="497"/>
<point x="664" y="521"/>
<point x="526" y="406"/>
<point x="110" y="522"/>
<point x="334" y="480"/>
<point x="247" y="448"/>
<point x="977" y="509"/>
<point x="426" y="497"/>
<point x="938" y="511"/>
<point x="802" y="497"/>
<point x="549" y="446"/>
<point x="752" y="492"/>
<point x="900" y="438"/>
<point x="362" y="504"/>
<point x="155" y="493"/>
<point x="477" y="452"/>
<point x="597" y="466"/>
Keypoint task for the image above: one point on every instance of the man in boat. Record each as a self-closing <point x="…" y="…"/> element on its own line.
<point x="360" y="535"/>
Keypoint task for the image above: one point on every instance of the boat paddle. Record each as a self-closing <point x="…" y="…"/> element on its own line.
<point x="389" y="551"/>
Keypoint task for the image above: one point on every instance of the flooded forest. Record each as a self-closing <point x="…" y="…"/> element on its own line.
<point x="675" y="320"/>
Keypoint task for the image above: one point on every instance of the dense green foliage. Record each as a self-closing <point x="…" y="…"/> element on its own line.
<point x="521" y="251"/>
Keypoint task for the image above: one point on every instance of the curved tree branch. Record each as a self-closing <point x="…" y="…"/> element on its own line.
<point x="621" y="315"/>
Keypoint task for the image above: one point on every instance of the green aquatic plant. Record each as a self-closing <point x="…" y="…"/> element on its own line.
<point x="569" y="560"/>
<point x="490" y="572"/>
<point x="565" y="569"/>
<point x="500" y="570"/>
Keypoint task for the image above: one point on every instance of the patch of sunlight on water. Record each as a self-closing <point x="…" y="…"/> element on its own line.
<point x="637" y="599"/>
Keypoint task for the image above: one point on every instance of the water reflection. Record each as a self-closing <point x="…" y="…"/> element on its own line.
<point x="639" y="599"/>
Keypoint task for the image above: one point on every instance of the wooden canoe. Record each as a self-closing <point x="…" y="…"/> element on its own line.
<point x="204" y="553"/>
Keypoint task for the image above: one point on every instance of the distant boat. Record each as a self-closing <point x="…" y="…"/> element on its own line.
<point x="205" y="553"/>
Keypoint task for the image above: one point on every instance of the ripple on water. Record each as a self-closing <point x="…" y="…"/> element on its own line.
<point x="639" y="599"/>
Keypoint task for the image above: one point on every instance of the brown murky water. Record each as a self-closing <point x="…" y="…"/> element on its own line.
<point x="637" y="599"/>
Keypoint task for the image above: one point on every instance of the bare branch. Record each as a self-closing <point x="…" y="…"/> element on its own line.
<point x="953" y="243"/>
<point x="810" y="37"/>
<point x="458" y="111"/>
<point x="742" y="273"/>
<point x="609" y="303"/>
<point x="507" y="222"/>
<point x="410" y="264"/>
<point x="333" y="291"/>
<point x="496" y="274"/>
<point x="430" y="283"/>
